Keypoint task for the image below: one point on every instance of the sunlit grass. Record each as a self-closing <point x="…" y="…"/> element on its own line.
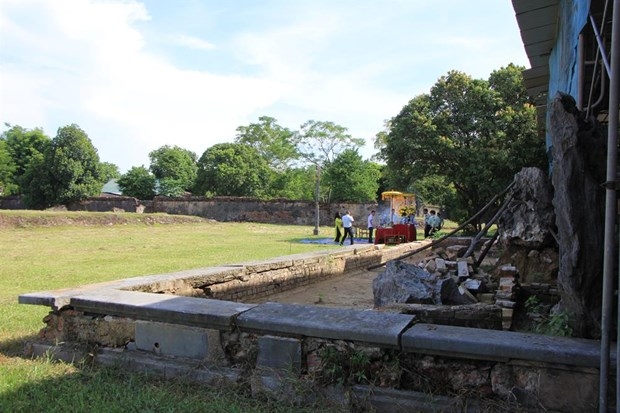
<point x="40" y="254"/>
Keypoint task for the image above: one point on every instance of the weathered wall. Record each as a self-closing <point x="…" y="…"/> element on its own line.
<point x="285" y="350"/>
<point x="105" y="204"/>
<point x="249" y="209"/>
<point x="224" y="209"/>
<point x="11" y="202"/>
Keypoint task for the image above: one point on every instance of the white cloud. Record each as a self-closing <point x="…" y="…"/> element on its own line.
<point x="134" y="85"/>
<point x="193" y="42"/>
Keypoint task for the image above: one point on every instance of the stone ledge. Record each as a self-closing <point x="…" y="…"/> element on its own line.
<point x="369" y="326"/>
<point x="467" y="342"/>
<point x="188" y="311"/>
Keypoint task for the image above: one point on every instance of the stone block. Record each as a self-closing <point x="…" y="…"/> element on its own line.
<point x="506" y="283"/>
<point x="462" y="269"/>
<point x="371" y="327"/>
<point x="279" y="354"/>
<point x="440" y="265"/>
<point x="180" y="341"/>
<point x="500" y="345"/>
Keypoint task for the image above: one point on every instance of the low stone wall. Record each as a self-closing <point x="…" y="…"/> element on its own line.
<point x="381" y="360"/>
<point x="279" y="211"/>
<point x="106" y="204"/>
<point x="224" y="209"/>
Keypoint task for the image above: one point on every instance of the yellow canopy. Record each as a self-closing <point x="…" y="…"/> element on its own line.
<point x="390" y="194"/>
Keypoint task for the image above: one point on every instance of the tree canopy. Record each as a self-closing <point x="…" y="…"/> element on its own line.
<point x="351" y="179"/>
<point x="232" y="169"/>
<point x="22" y="147"/>
<point x="175" y="169"/>
<point x="272" y="141"/>
<point x="476" y="134"/>
<point x="68" y="171"/>
<point x="137" y="182"/>
<point x="320" y="142"/>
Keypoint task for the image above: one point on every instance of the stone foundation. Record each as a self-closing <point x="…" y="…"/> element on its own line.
<point x="364" y="359"/>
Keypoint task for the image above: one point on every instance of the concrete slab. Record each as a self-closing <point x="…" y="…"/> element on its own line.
<point x="500" y="345"/>
<point x="189" y="311"/>
<point x="369" y="326"/>
<point x="180" y="341"/>
<point x="57" y="299"/>
<point x="279" y="354"/>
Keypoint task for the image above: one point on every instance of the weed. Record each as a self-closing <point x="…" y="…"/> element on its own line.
<point x="556" y="324"/>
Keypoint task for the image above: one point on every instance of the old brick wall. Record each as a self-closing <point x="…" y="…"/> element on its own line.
<point x="224" y="209"/>
<point x="279" y="211"/>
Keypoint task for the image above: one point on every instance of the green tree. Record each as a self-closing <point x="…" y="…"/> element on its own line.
<point x="272" y="141"/>
<point x="232" y="169"/>
<point x="476" y="134"/>
<point x="22" y="146"/>
<point x="137" y="182"/>
<point x="175" y="169"/>
<point x="68" y="171"/>
<point x="7" y="170"/>
<point x="351" y="178"/>
<point x="108" y="171"/>
<point x="294" y="183"/>
<point x="320" y="142"/>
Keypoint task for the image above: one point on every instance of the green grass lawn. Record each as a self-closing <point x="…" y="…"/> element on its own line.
<point x="51" y="250"/>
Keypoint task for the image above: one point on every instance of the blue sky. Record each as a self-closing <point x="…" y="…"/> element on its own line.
<point x="137" y="75"/>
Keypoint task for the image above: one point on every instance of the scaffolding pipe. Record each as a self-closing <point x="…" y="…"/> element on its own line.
<point x="601" y="45"/>
<point x="610" y="214"/>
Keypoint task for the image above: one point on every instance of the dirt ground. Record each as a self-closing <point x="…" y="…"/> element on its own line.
<point x="347" y="291"/>
<point x="350" y="291"/>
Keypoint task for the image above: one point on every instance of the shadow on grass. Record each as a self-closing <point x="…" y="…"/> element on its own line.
<point x="43" y="384"/>
<point x="15" y="347"/>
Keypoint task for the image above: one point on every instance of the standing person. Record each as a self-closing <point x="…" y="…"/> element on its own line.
<point x="371" y="225"/>
<point x="347" y="224"/>
<point x="433" y="221"/>
<point x="338" y="227"/>
<point x="427" y="226"/>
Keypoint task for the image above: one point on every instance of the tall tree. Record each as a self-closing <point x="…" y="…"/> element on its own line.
<point x="174" y="168"/>
<point x="137" y="182"/>
<point x="68" y="171"/>
<point x="232" y="169"/>
<point x="476" y="134"/>
<point x="320" y="142"/>
<point x="351" y="178"/>
<point x="272" y="141"/>
<point x="23" y="146"/>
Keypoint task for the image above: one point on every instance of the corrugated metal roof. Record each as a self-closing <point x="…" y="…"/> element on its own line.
<point x="538" y="22"/>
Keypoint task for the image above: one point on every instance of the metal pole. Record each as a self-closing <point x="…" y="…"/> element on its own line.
<point x="317" y="220"/>
<point x="610" y="213"/>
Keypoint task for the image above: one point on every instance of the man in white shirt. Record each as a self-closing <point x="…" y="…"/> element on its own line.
<point x="371" y="225"/>
<point x="347" y="225"/>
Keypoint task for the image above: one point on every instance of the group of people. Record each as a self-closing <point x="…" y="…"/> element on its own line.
<point x="344" y="224"/>
<point x="344" y="227"/>
<point x="432" y="222"/>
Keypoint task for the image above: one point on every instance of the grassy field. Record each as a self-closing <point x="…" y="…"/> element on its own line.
<point x="51" y="250"/>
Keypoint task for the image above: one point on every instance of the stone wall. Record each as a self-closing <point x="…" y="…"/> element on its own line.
<point x="381" y="361"/>
<point x="107" y="204"/>
<point x="11" y="202"/>
<point x="224" y="209"/>
<point x="280" y="211"/>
